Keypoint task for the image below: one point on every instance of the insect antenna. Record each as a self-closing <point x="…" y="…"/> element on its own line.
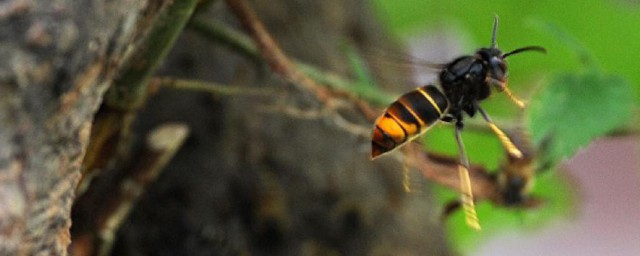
<point x="524" y="49"/>
<point x="494" y="44"/>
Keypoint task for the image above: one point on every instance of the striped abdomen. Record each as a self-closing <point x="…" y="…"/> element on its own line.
<point x="409" y="116"/>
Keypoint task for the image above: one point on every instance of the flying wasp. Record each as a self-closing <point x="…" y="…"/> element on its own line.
<point x="463" y="84"/>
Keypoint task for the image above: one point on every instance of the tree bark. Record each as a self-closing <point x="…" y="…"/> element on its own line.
<point x="59" y="58"/>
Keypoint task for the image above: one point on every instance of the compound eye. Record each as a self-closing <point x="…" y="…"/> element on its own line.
<point x="499" y="69"/>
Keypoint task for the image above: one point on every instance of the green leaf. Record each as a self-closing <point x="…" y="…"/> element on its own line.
<point x="576" y="108"/>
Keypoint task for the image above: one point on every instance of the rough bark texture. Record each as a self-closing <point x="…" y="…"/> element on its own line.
<point x="249" y="181"/>
<point x="58" y="59"/>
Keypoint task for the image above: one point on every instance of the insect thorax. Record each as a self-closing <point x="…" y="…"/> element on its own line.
<point x="464" y="82"/>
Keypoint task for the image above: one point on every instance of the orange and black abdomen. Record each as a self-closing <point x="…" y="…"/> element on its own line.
<point x="409" y="116"/>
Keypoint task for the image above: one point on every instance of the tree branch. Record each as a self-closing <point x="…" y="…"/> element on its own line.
<point x="209" y="87"/>
<point x="271" y="52"/>
<point x="161" y="145"/>
<point x="129" y="90"/>
<point x="113" y="121"/>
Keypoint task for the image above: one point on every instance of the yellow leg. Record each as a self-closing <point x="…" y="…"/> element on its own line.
<point x="506" y="142"/>
<point x="520" y="103"/>
<point x="504" y="139"/>
<point x="406" y="180"/>
<point x="468" y="205"/>
<point x="502" y="86"/>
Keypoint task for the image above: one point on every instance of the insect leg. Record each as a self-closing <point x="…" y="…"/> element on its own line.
<point x="502" y="86"/>
<point x="450" y="208"/>
<point x="504" y="139"/>
<point x="406" y="180"/>
<point x="520" y="103"/>
<point x="468" y="206"/>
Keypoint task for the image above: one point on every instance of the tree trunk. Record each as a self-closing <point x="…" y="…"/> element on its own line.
<point x="59" y="58"/>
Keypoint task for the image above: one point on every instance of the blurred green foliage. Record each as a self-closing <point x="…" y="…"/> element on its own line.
<point x="607" y="28"/>
<point x="575" y="108"/>
<point x="573" y="100"/>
